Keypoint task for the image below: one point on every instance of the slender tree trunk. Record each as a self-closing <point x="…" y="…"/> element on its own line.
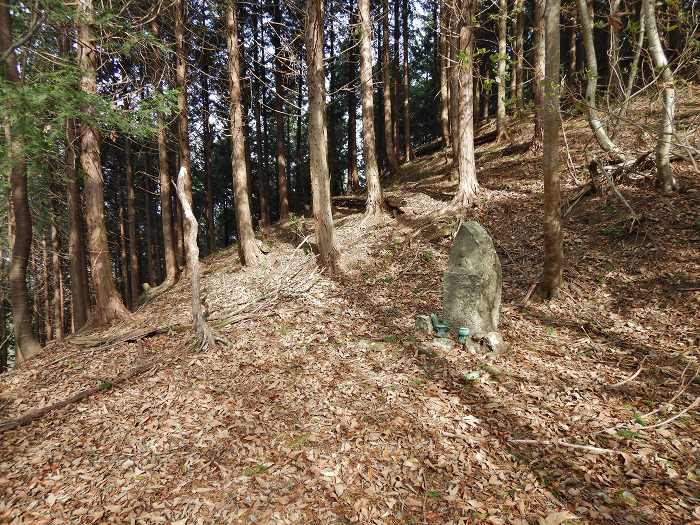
<point x="571" y="71"/>
<point x="27" y="345"/>
<point x="520" y="47"/>
<point x="353" y="173"/>
<point x="166" y="200"/>
<point x="664" y="173"/>
<point x="258" y="94"/>
<point x="108" y="304"/>
<point x="397" y="101"/>
<point x="386" y="91"/>
<point x="183" y="124"/>
<point x="538" y="71"/>
<point x="80" y="297"/>
<point x="336" y="178"/>
<point x="455" y="120"/>
<point x="300" y="183"/>
<point x="56" y="300"/>
<point x="501" y="131"/>
<point x="552" y="271"/>
<point x="318" y="139"/>
<point x="247" y="247"/>
<point x="486" y="92"/>
<point x="46" y="296"/>
<point x="444" y="77"/>
<point x="280" y="149"/>
<point x="207" y="141"/>
<point x="634" y="66"/>
<point x="615" y="81"/>
<point x="3" y="314"/>
<point x="596" y="124"/>
<point x="134" y="284"/>
<point x="406" y="87"/>
<point x="124" y="255"/>
<point x="466" y="165"/>
<point x="375" y="199"/>
<point x="151" y="236"/>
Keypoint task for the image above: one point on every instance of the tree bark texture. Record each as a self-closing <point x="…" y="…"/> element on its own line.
<point x="386" y="92"/>
<point x="501" y="131"/>
<point x="247" y="247"/>
<point x="318" y="140"/>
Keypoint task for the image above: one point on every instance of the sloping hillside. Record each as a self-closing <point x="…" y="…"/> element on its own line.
<point x="327" y="408"/>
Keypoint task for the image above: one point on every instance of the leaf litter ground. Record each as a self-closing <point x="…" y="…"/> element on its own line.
<point x="328" y="409"/>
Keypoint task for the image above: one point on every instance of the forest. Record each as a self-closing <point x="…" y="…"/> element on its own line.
<point x="350" y="261"/>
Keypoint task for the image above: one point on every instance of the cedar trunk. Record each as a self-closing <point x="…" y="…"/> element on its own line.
<point x="386" y="91"/>
<point x="280" y="147"/>
<point x="501" y="132"/>
<point x="374" y="188"/>
<point x="27" y="345"/>
<point x="108" y="304"/>
<point x="247" y="248"/>
<point x="134" y="284"/>
<point x="318" y="139"/>
<point x="538" y="71"/>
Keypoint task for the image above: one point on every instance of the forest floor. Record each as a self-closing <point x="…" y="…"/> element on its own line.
<point x="327" y="408"/>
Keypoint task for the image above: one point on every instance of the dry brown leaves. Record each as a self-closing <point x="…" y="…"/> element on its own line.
<point x="328" y="410"/>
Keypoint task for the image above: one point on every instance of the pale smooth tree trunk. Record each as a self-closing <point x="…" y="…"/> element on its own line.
<point x="601" y="135"/>
<point x="466" y="165"/>
<point x="329" y="255"/>
<point x="27" y="344"/>
<point x="375" y="200"/>
<point x="80" y="298"/>
<point x="247" y="247"/>
<point x="501" y="131"/>
<point x="571" y="74"/>
<point x="185" y="192"/>
<point x="664" y="173"/>
<point x="552" y="271"/>
<point x="56" y="298"/>
<point x="166" y="200"/>
<point x="634" y="66"/>
<point x="386" y="92"/>
<point x="538" y="71"/>
<point x="108" y="305"/>
<point x="615" y="81"/>
<point x="124" y="255"/>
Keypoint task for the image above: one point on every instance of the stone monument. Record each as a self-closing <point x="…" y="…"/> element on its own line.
<point x="471" y="294"/>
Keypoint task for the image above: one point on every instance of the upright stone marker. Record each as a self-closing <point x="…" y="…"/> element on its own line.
<point x="471" y="294"/>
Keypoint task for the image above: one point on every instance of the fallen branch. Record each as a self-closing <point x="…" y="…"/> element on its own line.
<point x="632" y="377"/>
<point x="673" y="418"/>
<point x="29" y="417"/>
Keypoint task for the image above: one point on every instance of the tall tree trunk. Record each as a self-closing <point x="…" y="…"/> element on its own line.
<point x="247" y="247"/>
<point x="80" y="297"/>
<point x="444" y="76"/>
<point x="664" y="174"/>
<point x="466" y="165"/>
<point x="596" y="124"/>
<point x="3" y="314"/>
<point x="27" y="345"/>
<point x="336" y="177"/>
<point x="571" y="70"/>
<point x="538" y="71"/>
<point x="486" y="92"/>
<point x="124" y="255"/>
<point x="280" y="148"/>
<point x="166" y="200"/>
<point x="108" y="304"/>
<point x="520" y="47"/>
<point x="386" y="91"/>
<point x="134" y="284"/>
<point x="207" y="141"/>
<point x="56" y="299"/>
<point x="151" y="236"/>
<point x="501" y="131"/>
<point x="454" y="96"/>
<point x="258" y="95"/>
<point x="552" y="272"/>
<point x="318" y="138"/>
<point x="300" y="182"/>
<point x="46" y="296"/>
<point x="183" y="123"/>
<point x="396" y="96"/>
<point x="406" y="88"/>
<point x="375" y="201"/>
<point x="353" y="173"/>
